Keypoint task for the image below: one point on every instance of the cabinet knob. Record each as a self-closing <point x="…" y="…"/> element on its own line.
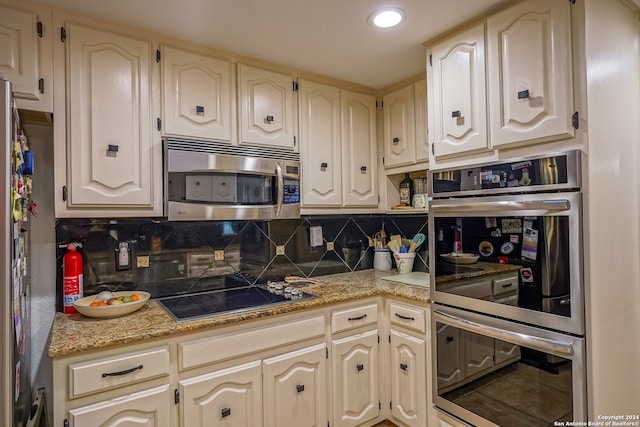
<point x="404" y="366"/>
<point x="324" y="165"/>
<point x="360" y="367"/>
<point x="395" y="140"/>
<point x="225" y="412"/>
<point x="268" y="119"/>
<point x="200" y="110"/>
<point x="523" y="94"/>
<point x="112" y="147"/>
<point x="456" y="113"/>
<point x="299" y="388"/>
<point x="449" y="338"/>
<point x="363" y="169"/>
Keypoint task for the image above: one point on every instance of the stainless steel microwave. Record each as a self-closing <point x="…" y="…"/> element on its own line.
<point x="201" y="185"/>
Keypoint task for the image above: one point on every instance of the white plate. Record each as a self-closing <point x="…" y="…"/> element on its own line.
<point x="82" y="305"/>
<point x="461" y="258"/>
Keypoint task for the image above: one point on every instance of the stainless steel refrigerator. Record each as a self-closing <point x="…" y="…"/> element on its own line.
<point x="15" y="188"/>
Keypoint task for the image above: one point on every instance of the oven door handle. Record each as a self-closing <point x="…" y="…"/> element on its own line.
<point x="537" y="343"/>
<point x="553" y="205"/>
<point x="280" y="184"/>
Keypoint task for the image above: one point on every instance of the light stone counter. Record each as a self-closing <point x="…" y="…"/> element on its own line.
<point x="75" y="333"/>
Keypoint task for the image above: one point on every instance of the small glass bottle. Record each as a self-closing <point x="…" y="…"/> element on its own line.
<point x="419" y="201"/>
<point x="406" y="190"/>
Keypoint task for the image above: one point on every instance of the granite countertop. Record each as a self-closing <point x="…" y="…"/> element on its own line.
<point x="76" y="333"/>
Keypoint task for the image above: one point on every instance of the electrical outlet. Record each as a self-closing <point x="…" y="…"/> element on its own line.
<point x="315" y="236"/>
<point x="218" y="255"/>
<point x="329" y="246"/>
<point x="279" y="250"/>
<point x="142" y="261"/>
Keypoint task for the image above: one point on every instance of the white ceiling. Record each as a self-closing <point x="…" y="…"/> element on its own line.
<point x="329" y="37"/>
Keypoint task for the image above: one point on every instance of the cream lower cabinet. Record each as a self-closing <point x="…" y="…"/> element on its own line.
<point x="408" y="368"/>
<point x="355" y="395"/>
<point x="147" y="408"/>
<point x="295" y="388"/>
<point x="226" y="398"/>
<point x="109" y="161"/>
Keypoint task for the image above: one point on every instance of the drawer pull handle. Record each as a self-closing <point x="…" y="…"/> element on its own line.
<point x="523" y="94"/>
<point x="508" y="285"/>
<point x="404" y="366"/>
<point x="300" y="388"/>
<point x="225" y="412"/>
<point x="405" y="317"/>
<point x="360" y="367"/>
<point x="351" y="319"/>
<point x="119" y="373"/>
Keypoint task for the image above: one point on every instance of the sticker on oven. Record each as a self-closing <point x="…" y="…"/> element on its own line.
<point x="485" y="248"/>
<point x="507" y="248"/>
<point x="514" y="238"/>
<point x="490" y="222"/>
<point x="520" y="165"/>
<point x="511" y="226"/>
<point x="527" y="275"/>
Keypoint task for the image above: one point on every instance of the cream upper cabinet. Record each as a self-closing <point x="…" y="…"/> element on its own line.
<point x="196" y="95"/>
<point x="113" y="156"/>
<point x="530" y="74"/>
<point x="420" y="116"/>
<point x="338" y="146"/>
<point x="227" y="398"/>
<point x="399" y="127"/>
<point x="295" y="388"/>
<point x="457" y="68"/>
<point x="321" y="144"/>
<point x="267" y="105"/>
<point x="359" y="153"/>
<point x="355" y="379"/>
<point x="25" y="56"/>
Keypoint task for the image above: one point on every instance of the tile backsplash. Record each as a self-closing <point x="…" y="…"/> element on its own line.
<point x="167" y="258"/>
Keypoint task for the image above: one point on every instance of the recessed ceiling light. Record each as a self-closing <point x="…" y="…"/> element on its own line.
<point x="387" y="17"/>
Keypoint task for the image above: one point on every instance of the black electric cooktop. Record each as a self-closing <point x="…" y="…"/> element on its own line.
<point x="224" y="301"/>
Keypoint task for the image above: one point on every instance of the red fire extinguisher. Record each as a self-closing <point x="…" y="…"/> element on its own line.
<point x="72" y="277"/>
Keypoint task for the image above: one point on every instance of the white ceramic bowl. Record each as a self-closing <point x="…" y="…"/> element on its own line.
<point x="83" y="307"/>
<point x="461" y="258"/>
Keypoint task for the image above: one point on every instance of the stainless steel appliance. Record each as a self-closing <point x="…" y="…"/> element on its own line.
<point x="15" y="358"/>
<point x="507" y="288"/>
<point x="205" y="182"/>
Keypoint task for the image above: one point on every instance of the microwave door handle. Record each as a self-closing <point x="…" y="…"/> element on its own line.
<point x="500" y="206"/>
<point x="280" y="185"/>
<point x="537" y="343"/>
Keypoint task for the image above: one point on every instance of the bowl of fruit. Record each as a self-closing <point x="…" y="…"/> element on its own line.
<point x="111" y="304"/>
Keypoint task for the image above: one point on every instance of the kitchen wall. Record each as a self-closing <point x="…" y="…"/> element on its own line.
<point x="171" y="257"/>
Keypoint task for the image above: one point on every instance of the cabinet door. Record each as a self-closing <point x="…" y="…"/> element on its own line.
<point x="149" y="408"/>
<point x="505" y="351"/>
<point x="354" y="363"/>
<point x="449" y="360"/>
<point x="19" y="51"/>
<point x="530" y="83"/>
<point x="110" y="144"/>
<point x="320" y="144"/>
<point x="460" y="111"/>
<point x="399" y="127"/>
<point x="227" y="398"/>
<point x="266" y="107"/>
<point x="360" y="163"/>
<point x="420" y="108"/>
<point x="478" y="353"/>
<point x="196" y="95"/>
<point x="408" y="379"/>
<point x="295" y="389"/>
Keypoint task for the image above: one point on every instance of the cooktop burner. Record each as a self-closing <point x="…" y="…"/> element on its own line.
<point x="224" y="301"/>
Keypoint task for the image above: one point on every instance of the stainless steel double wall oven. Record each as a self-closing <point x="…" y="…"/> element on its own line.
<point x="508" y="329"/>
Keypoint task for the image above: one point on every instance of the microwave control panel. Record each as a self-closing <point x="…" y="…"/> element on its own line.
<point x="291" y="191"/>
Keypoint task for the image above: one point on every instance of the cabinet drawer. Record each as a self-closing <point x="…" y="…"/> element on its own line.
<point x="343" y="320"/>
<point x="117" y="371"/>
<point x="505" y="285"/>
<point x="214" y="349"/>
<point x="407" y="316"/>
